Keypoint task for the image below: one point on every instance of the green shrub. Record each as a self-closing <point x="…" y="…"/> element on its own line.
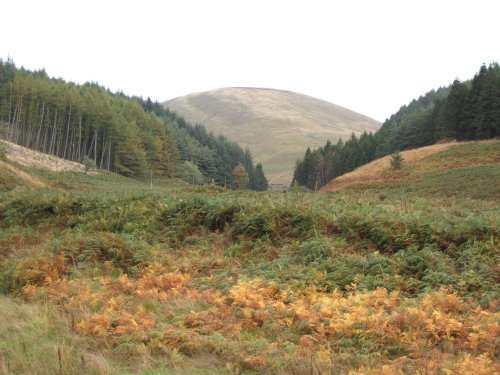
<point x="88" y="164"/>
<point x="315" y="250"/>
<point x="255" y="226"/>
<point x="396" y="160"/>
<point x="3" y="151"/>
<point x="221" y="213"/>
<point x="82" y="250"/>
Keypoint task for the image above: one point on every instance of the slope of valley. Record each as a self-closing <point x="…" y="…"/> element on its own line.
<point x="453" y="168"/>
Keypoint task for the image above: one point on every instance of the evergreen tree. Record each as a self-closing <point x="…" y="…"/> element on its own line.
<point x="130" y="158"/>
<point x="464" y="111"/>
<point x="484" y="102"/>
<point x="452" y="120"/>
<point x="261" y="183"/>
<point x="303" y="168"/>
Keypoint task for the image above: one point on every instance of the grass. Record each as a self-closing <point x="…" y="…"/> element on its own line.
<point x="395" y="278"/>
<point x="440" y="164"/>
<point x="31" y="332"/>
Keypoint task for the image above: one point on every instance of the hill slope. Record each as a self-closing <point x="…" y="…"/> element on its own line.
<point x="275" y="125"/>
<point x="453" y="168"/>
<point x="25" y="169"/>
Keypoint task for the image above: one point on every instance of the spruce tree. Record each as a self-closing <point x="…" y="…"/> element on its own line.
<point x="261" y="183"/>
<point x="452" y="120"/>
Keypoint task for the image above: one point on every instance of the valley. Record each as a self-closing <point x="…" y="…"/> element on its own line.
<point x="102" y="274"/>
<point x="133" y="241"/>
<point x="205" y="188"/>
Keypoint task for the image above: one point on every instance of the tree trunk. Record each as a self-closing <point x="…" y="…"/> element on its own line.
<point x="10" y="102"/>
<point x="67" y="134"/>
<point x="53" y="136"/>
<point x="109" y="155"/>
<point x="37" y="142"/>
<point x="103" y="151"/>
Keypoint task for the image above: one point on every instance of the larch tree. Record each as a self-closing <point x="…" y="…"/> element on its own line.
<point x="240" y="177"/>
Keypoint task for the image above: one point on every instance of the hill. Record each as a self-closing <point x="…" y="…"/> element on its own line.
<point x="453" y="168"/>
<point x="275" y="125"/>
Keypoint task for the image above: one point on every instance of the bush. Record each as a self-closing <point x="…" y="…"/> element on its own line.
<point x="88" y="164"/>
<point x="3" y="151"/>
<point x="41" y="270"/>
<point x="255" y="226"/>
<point x="314" y="251"/>
<point x="220" y="214"/>
<point x="396" y="160"/>
<point x="100" y="248"/>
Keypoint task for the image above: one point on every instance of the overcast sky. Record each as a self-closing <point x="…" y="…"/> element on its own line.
<point x="369" y="56"/>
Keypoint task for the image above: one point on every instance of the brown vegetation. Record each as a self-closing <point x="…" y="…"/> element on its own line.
<point x="415" y="163"/>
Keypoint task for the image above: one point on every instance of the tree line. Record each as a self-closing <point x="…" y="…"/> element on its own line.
<point x="463" y="111"/>
<point x="214" y="156"/>
<point x="130" y="136"/>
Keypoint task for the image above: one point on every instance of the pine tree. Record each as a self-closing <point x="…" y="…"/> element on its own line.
<point x="261" y="183"/>
<point x="480" y="104"/>
<point x="303" y="168"/>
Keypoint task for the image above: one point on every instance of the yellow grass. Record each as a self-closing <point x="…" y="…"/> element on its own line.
<point x="32" y="158"/>
<point x="377" y="170"/>
<point x="32" y="181"/>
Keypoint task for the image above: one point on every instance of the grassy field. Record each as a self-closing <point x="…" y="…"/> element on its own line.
<point x="277" y="126"/>
<point x="102" y="275"/>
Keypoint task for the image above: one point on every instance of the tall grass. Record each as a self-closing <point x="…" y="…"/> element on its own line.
<point x="37" y="339"/>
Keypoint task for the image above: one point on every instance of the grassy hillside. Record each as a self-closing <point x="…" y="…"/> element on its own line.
<point x="24" y="169"/>
<point x="101" y="275"/>
<point x="446" y="168"/>
<point x="277" y="126"/>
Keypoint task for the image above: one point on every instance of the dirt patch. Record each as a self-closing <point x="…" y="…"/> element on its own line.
<point x="31" y="158"/>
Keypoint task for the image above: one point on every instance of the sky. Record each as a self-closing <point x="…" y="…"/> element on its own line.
<point x="369" y="56"/>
